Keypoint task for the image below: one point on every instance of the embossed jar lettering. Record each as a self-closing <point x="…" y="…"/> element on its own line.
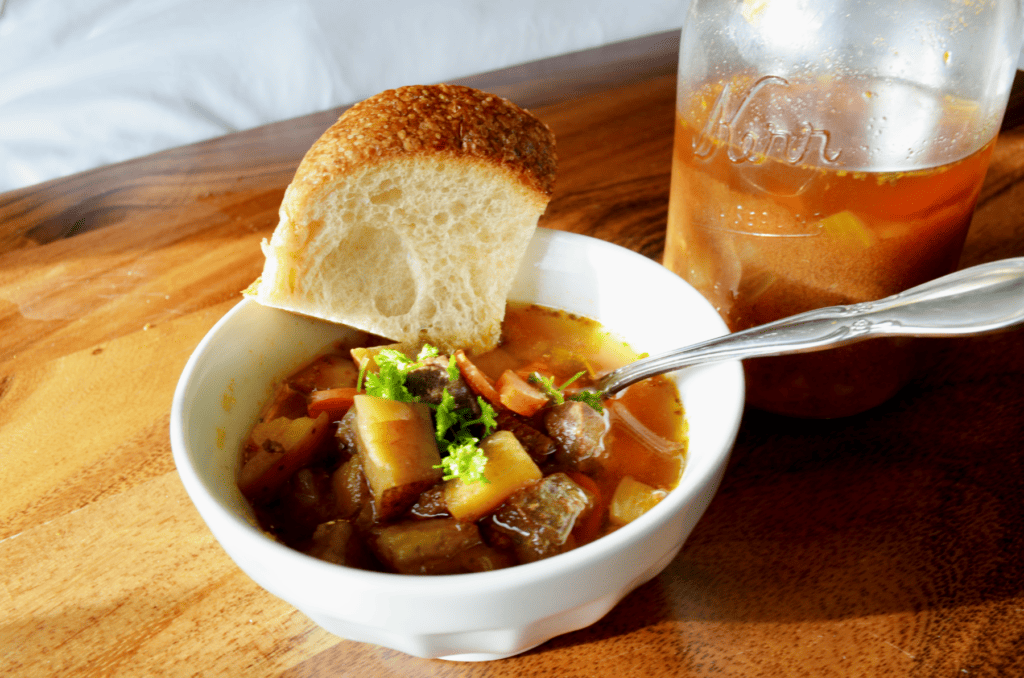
<point x="753" y="125"/>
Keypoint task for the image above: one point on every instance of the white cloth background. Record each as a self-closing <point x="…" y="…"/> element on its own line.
<point x="85" y="83"/>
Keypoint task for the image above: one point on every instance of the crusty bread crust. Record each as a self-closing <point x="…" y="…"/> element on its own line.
<point x="433" y="119"/>
<point x="409" y="216"/>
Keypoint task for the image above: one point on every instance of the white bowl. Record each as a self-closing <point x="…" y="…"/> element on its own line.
<point x="486" y="615"/>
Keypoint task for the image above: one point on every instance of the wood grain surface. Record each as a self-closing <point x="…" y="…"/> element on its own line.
<point x="887" y="544"/>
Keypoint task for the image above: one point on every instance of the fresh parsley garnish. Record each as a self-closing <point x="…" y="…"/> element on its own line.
<point x="465" y="458"/>
<point x="557" y="393"/>
<point x="389" y="379"/>
<point x="453" y="368"/>
<point x="392" y="368"/>
<point x="592" y="398"/>
<point x="445" y="416"/>
<point x="547" y="384"/>
<point x="427" y="351"/>
<point x="460" y="449"/>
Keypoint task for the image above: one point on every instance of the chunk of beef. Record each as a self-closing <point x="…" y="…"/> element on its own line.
<point x="306" y="500"/>
<point x="431" y="379"/>
<point x="439" y="546"/>
<point x="537" y="521"/>
<point x="578" y="431"/>
<point x="338" y="542"/>
<point x="539" y="446"/>
<point x="430" y="504"/>
<point x="331" y="541"/>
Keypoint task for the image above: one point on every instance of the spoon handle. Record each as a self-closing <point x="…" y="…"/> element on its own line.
<point x="976" y="300"/>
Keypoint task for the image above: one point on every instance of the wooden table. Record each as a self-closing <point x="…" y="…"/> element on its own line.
<point x="888" y="544"/>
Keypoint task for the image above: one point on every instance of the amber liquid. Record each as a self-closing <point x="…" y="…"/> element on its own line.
<point x="764" y="234"/>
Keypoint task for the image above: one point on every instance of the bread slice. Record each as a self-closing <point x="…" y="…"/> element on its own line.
<point x="408" y="218"/>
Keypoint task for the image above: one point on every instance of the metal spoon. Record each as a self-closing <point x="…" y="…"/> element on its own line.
<point x="976" y="300"/>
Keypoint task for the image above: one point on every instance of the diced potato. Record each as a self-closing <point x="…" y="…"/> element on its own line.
<point x="426" y="546"/>
<point x="351" y="492"/>
<point x="847" y="228"/>
<point x="509" y="468"/>
<point x="397" y="450"/>
<point x="283" y="446"/>
<point x="287" y="432"/>
<point x="631" y="500"/>
<point x="361" y="356"/>
<point x="329" y="371"/>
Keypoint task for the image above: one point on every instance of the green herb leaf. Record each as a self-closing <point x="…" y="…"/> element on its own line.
<point x="488" y="417"/>
<point x="392" y="368"/>
<point x="557" y="395"/>
<point x="445" y="417"/>
<point x="389" y="380"/>
<point x="463" y="456"/>
<point x="427" y="351"/>
<point x="465" y="460"/>
<point x="461" y="453"/>
<point x="547" y="385"/>
<point x="592" y="398"/>
<point x="361" y="377"/>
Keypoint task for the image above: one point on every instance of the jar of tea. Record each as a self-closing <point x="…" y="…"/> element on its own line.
<point x="831" y="153"/>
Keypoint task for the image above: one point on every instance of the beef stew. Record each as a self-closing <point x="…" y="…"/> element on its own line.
<point x="372" y="482"/>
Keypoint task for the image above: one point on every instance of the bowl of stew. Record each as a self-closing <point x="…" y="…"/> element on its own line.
<point x="436" y="566"/>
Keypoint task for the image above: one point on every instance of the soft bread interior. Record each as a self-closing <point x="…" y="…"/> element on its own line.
<point x="413" y="248"/>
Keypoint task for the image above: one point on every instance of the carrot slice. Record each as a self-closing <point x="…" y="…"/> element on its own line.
<point x="588" y="529"/>
<point x="517" y="395"/>
<point x="476" y="379"/>
<point x="538" y="366"/>
<point x="334" y="401"/>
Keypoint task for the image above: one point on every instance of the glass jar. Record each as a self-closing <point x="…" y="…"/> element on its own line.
<point x="829" y="153"/>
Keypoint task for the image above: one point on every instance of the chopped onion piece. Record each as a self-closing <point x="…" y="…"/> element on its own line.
<point x="618" y="412"/>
